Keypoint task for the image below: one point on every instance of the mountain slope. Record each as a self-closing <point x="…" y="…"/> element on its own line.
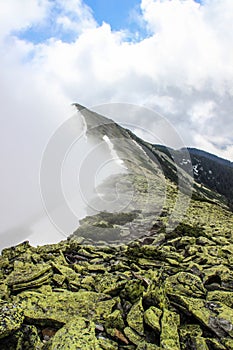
<point x="214" y="172"/>
<point x="210" y="171"/>
<point x="156" y="189"/>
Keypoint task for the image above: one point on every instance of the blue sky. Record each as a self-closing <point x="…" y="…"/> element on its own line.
<point x="115" y="12"/>
<point x="120" y="14"/>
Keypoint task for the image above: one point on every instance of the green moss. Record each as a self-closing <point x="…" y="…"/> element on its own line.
<point x="152" y="318"/>
<point x="133" y="290"/>
<point x="185" y="283"/>
<point x="135" y="317"/>
<point x="29" y="275"/>
<point x="107" y="344"/>
<point x="77" y="334"/>
<point x="61" y="307"/>
<point x="133" y="336"/>
<point x="169" y="338"/>
<point x="115" y="320"/>
<point x="147" y="346"/>
<point x="11" y="318"/>
<point x="221" y="296"/>
<point x="4" y="292"/>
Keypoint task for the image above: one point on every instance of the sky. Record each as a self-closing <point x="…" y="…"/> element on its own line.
<point x="172" y="56"/>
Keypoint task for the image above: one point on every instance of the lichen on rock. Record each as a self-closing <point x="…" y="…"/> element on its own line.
<point x="156" y="292"/>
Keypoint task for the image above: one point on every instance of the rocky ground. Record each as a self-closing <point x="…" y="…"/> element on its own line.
<point x="162" y="291"/>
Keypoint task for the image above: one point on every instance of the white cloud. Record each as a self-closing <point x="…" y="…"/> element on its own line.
<point x="183" y="69"/>
<point x="75" y="16"/>
<point x="17" y="15"/>
<point x="202" y="112"/>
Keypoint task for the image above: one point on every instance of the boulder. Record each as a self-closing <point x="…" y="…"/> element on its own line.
<point x="11" y="318"/>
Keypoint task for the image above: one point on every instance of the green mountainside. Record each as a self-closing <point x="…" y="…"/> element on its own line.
<point x="154" y="271"/>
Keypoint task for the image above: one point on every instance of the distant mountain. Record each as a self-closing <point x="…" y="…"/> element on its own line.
<point x="214" y="172"/>
<point x="201" y="153"/>
<point x="209" y="170"/>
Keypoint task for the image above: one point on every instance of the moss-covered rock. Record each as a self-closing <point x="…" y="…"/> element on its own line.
<point x="11" y="318"/>
<point x="135" y="317"/>
<point x="28" y="275"/>
<point x="133" y="336"/>
<point x="152" y="318"/>
<point x="169" y="338"/>
<point x="76" y="334"/>
<point x="191" y="337"/>
<point x="60" y="307"/>
<point x="185" y="283"/>
<point x="156" y="291"/>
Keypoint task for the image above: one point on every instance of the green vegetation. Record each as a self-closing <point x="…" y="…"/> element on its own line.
<point x="165" y="290"/>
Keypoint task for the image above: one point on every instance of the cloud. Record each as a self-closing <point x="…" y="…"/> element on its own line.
<point x="73" y="17"/>
<point x="181" y="68"/>
<point x="17" y="15"/>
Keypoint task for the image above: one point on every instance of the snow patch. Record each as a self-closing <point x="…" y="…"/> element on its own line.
<point x="114" y="155"/>
<point x="84" y="126"/>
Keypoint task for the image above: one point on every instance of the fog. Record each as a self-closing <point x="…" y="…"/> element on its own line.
<point x="56" y="175"/>
<point x="47" y="186"/>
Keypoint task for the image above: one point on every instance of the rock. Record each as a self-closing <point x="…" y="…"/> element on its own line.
<point x="147" y="346"/>
<point x="133" y="290"/>
<point x="60" y="307"/>
<point x="107" y="344"/>
<point x="169" y="338"/>
<point x="160" y="291"/>
<point x="133" y="336"/>
<point x="191" y="337"/>
<point x="11" y="318"/>
<point x="218" y="277"/>
<point x="228" y="343"/>
<point x="152" y="318"/>
<point x="214" y="315"/>
<point x="28" y="338"/>
<point x="16" y="251"/>
<point x="221" y="296"/>
<point x="198" y="343"/>
<point x="25" y="338"/>
<point x="4" y="292"/>
<point x="185" y="283"/>
<point x="135" y="317"/>
<point x="215" y="344"/>
<point x="80" y="332"/>
<point x="115" y="320"/>
<point x="29" y="276"/>
<point x="110" y="284"/>
<point x="222" y="320"/>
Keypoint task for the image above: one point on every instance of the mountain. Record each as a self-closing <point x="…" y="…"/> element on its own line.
<point x="158" y="187"/>
<point x="213" y="172"/>
<point x="151" y="269"/>
<point x="209" y="170"/>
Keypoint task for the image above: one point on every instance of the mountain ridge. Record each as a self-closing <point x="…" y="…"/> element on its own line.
<point x="123" y="280"/>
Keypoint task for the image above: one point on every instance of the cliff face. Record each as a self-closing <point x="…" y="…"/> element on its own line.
<point x="131" y="277"/>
